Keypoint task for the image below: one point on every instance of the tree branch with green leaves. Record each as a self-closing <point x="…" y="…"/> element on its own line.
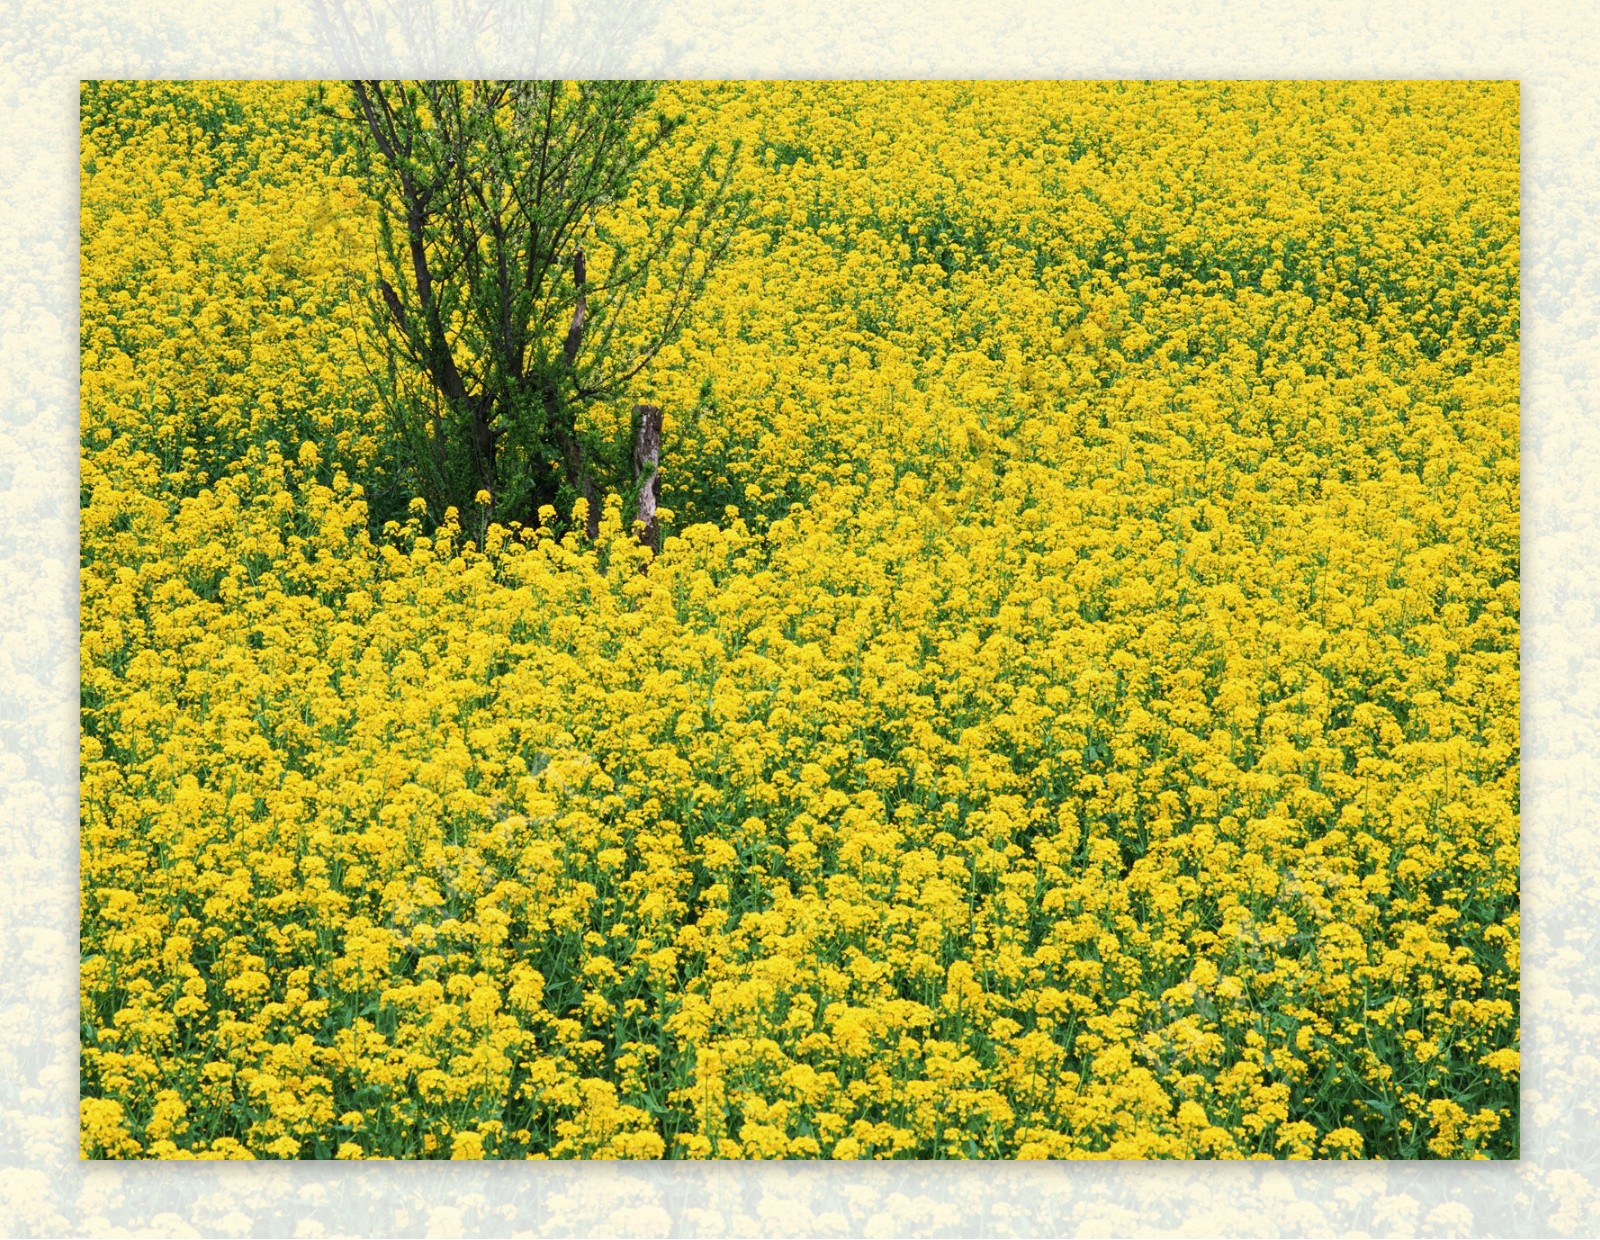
<point x="536" y="252"/>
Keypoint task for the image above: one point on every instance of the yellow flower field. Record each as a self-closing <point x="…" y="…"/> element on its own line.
<point x="1074" y="712"/>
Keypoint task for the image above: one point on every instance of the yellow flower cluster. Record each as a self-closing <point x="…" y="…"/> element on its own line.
<point x="1074" y="712"/>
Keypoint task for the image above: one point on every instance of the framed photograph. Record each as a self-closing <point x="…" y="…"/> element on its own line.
<point x="816" y="620"/>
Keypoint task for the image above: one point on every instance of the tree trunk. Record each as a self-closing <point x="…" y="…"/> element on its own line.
<point x="562" y="424"/>
<point x="564" y="418"/>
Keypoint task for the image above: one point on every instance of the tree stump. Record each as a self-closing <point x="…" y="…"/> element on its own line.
<point x="647" y="470"/>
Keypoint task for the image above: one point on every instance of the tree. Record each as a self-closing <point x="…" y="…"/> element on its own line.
<point x="526" y="272"/>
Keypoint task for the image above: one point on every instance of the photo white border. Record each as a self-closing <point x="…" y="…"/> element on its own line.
<point x="1549" y="47"/>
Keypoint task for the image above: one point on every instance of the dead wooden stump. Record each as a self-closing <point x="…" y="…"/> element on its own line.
<point x="647" y="470"/>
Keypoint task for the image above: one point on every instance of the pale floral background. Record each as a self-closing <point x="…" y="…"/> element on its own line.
<point x="49" y="45"/>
